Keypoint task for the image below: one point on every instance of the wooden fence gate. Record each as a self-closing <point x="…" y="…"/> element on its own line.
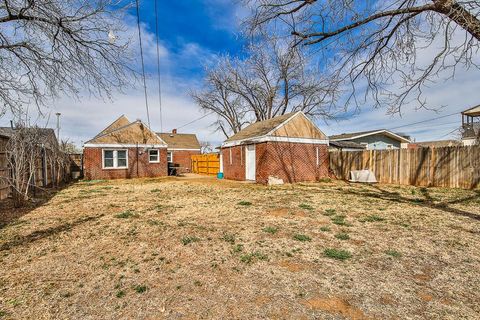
<point x="453" y="167"/>
<point x="206" y="163"/>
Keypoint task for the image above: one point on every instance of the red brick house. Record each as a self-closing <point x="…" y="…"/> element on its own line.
<point x="181" y="146"/>
<point x="290" y="147"/>
<point x="125" y="150"/>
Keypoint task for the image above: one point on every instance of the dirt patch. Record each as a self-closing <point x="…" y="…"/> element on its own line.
<point x="425" y="297"/>
<point x="292" y="266"/>
<point x="287" y="213"/>
<point x="336" y="306"/>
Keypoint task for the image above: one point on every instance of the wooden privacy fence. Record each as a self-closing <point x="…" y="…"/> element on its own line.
<point x="206" y="163"/>
<point x="454" y="167"/>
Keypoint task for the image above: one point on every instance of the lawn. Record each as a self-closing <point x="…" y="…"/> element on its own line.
<point x="197" y="248"/>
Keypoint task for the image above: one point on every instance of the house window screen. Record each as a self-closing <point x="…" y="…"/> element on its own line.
<point x="169" y="157"/>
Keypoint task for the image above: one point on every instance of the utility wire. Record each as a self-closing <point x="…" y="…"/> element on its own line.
<point x="143" y="64"/>
<point x="414" y="123"/>
<point x="158" y="68"/>
<point x="198" y="119"/>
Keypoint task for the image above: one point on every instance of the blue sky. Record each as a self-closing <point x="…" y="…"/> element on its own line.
<point x="192" y="34"/>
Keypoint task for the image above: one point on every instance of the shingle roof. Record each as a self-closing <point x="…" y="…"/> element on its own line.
<point x="347" y="144"/>
<point x="47" y="134"/>
<point x="260" y="128"/>
<point x="180" y="140"/>
<point x="354" y="135"/>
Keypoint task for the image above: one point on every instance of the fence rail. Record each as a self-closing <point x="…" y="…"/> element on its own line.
<point x="454" y="167"/>
<point x="206" y="163"/>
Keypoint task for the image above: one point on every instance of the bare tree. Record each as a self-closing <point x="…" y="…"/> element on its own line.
<point x="273" y="80"/>
<point x="53" y="46"/>
<point x="374" y="46"/>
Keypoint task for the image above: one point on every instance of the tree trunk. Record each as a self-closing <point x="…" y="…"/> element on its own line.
<point x="459" y="15"/>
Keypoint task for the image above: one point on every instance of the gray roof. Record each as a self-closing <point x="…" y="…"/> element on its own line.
<point x="44" y="132"/>
<point x="347" y="144"/>
<point x="355" y="135"/>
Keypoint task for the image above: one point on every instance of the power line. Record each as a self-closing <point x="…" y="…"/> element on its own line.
<point x="198" y="119"/>
<point x="158" y="68"/>
<point x="432" y="119"/>
<point x="143" y="64"/>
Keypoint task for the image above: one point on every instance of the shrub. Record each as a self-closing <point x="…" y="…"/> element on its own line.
<point x="325" y="228"/>
<point x="249" y="257"/>
<point x="245" y="203"/>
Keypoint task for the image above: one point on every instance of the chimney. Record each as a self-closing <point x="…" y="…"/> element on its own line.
<point x="174" y="131"/>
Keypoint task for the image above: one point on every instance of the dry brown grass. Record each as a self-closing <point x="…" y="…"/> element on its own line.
<point x="186" y="248"/>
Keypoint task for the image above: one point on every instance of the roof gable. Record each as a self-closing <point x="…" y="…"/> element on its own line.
<point x="299" y="126"/>
<point x="180" y="140"/>
<point x="122" y="121"/>
<point x="133" y="133"/>
<point x="290" y="125"/>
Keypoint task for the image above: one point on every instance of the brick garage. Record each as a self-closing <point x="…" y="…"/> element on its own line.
<point x="137" y="166"/>
<point x="289" y="147"/>
<point x="125" y="150"/>
<point x="292" y="162"/>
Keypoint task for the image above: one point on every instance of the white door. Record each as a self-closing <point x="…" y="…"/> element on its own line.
<point x="250" y="162"/>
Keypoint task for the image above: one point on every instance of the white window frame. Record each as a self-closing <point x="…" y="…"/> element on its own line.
<point x="170" y="155"/>
<point x="115" y="159"/>
<point x="149" y="156"/>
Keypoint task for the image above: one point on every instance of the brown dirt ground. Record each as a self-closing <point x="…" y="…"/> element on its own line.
<point x="186" y="249"/>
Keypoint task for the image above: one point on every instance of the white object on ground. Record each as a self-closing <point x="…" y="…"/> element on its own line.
<point x="362" y="176"/>
<point x="272" y="181"/>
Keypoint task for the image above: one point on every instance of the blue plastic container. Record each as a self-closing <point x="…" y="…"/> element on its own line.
<point x="220" y="175"/>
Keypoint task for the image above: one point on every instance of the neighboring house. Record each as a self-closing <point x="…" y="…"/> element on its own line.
<point x="435" y="144"/>
<point x="290" y="147"/>
<point x="471" y="126"/>
<point x="181" y="147"/>
<point x="125" y="150"/>
<point x="381" y="139"/>
<point x="345" y="146"/>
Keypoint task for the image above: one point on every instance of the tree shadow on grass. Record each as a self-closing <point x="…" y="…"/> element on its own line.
<point x="426" y="201"/>
<point x="41" y="234"/>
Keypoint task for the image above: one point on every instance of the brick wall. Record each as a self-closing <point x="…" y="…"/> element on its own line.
<point x="183" y="158"/>
<point x="292" y="162"/>
<point x="93" y="165"/>
<point x="234" y="169"/>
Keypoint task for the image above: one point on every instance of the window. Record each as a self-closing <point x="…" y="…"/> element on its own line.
<point x="115" y="159"/>
<point x="169" y="157"/>
<point x="153" y="156"/>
